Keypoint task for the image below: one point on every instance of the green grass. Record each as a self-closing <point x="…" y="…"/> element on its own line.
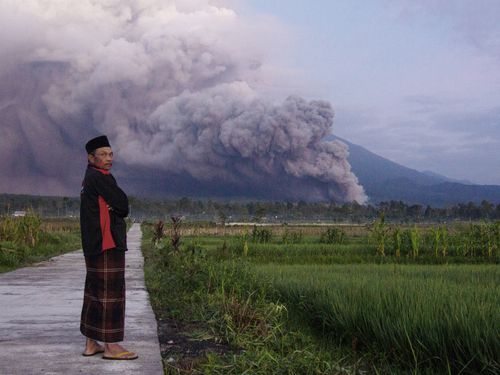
<point x="193" y="286"/>
<point x="310" y="307"/>
<point x="53" y="239"/>
<point x="354" y="250"/>
<point x="426" y="315"/>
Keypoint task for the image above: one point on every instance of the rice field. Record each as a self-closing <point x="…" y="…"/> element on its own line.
<point x="424" y="299"/>
<point x="440" y="315"/>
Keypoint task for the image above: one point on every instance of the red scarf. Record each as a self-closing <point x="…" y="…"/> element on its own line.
<point x="107" y="238"/>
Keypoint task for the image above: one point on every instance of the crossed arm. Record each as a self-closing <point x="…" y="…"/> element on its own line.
<point x="116" y="199"/>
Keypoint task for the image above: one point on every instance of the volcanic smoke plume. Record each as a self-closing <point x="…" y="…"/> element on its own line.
<point x="173" y="85"/>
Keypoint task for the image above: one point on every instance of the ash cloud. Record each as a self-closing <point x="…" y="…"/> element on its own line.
<point x="172" y="84"/>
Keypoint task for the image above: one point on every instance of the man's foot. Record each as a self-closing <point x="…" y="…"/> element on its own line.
<point x="92" y="348"/>
<point x="116" y="351"/>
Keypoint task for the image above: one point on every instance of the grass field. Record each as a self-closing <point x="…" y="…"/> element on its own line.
<point x="31" y="239"/>
<point x="421" y="315"/>
<point x="354" y="308"/>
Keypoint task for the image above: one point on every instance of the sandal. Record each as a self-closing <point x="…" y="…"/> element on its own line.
<point x="122" y="356"/>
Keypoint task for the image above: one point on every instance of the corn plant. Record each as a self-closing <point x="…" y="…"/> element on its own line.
<point x="444" y="241"/>
<point x="262" y="235"/>
<point x="333" y="236"/>
<point x="467" y="241"/>
<point x="397" y="241"/>
<point x="481" y="239"/>
<point x="380" y="231"/>
<point x="292" y="237"/>
<point x="436" y="240"/>
<point x="8" y="229"/>
<point x="495" y="233"/>
<point x="415" y="240"/>
<point x="24" y="230"/>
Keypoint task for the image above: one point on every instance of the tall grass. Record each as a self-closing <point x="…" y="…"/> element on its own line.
<point x="30" y="239"/>
<point x="475" y="243"/>
<point x="438" y="315"/>
<point x="353" y="250"/>
<point x="23" y="230"/>
<point x="398" y="315"/>
<point x="193" y="287"/>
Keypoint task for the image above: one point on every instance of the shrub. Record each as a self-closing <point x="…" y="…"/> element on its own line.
<point x="333" y="236"/>
<point x="261" y="235"/>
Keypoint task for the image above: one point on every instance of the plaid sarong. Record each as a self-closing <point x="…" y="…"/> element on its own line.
<point x="103" y="312"/>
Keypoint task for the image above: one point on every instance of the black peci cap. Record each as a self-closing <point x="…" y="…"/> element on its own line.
<point x="97" y="142"/>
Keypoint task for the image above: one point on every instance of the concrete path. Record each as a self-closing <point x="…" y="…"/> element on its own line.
<point x="40" y="310"/>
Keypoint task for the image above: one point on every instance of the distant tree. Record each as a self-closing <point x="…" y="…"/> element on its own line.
<point x="472" y="211"/>
<point x="497" y="212"/>
<point x="250" y="208"/>
<point x="415" y="211"/>
<point x="260" y="213"/>
<point x="221" y="216"/>
<point x="428" y="212"/>
<point x="200" y="207"/>
<point x="486" y="209"/>
<point x="184" y="204"/>
<point x="65" y="206"/>
<point x="302" y="204"/>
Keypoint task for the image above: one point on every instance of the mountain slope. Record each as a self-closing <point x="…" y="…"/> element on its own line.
<point x="385" y="180"/>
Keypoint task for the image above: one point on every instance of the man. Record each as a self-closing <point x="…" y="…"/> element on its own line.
<point x="104" y="239"/>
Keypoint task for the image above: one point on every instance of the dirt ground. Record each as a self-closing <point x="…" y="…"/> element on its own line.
<point x="183" y="345"/>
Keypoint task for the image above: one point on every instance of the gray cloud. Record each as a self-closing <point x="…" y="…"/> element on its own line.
<point x="476" y="22"/>
<point x="171" y="84"/>
<point x="437" y="134"/>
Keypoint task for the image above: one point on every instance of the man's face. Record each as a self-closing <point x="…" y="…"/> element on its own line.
<point x="102" y="158"/>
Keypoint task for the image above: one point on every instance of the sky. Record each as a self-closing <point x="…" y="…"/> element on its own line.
<point x="415" y="82"/>
<point x="249" y="87"/>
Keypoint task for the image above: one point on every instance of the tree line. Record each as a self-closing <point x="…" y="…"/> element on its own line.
<point x="275" y="211"/>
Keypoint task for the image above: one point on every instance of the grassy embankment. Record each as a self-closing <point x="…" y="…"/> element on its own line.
<point x="29" y="239"/>
<point x="296" y="305"/>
